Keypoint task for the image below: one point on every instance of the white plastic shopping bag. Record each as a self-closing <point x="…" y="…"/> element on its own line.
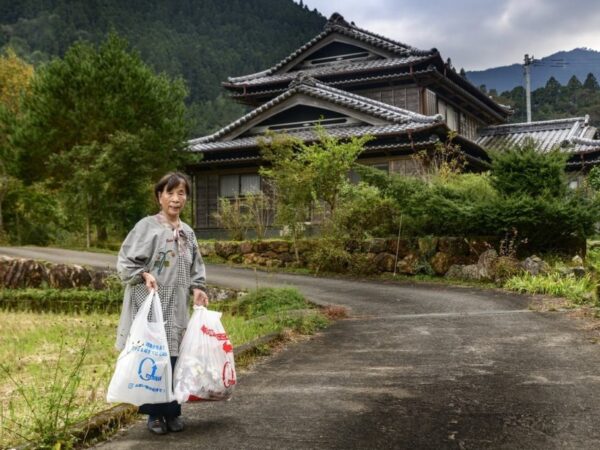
<point x="143" y="373"/>
<point x="205" y="369"/>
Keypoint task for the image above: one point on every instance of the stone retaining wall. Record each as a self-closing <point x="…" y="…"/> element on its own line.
<point x="18" y="273"/>
<point x="28" y="273"/>
<point x="408" y="256"/>
<point x="473" y="259"/>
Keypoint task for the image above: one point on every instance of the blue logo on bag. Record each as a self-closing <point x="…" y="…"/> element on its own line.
<point x="147" y="370"/>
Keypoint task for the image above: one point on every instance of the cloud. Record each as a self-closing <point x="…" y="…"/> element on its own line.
<point x="477" y="34"/>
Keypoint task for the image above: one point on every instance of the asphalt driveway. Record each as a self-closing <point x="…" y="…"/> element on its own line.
<point x="414" y="366"/>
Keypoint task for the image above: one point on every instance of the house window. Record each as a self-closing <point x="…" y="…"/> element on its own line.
<point x="385" y="166"/>
<point x="239" y="185"/>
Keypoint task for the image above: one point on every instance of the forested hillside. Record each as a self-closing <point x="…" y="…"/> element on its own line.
<point x="554" y="100"/>
<point x="203" y="41"/>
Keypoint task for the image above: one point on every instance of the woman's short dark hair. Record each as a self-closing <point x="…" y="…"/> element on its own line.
<point x="171" y="181"/>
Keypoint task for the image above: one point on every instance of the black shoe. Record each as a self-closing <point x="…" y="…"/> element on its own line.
<point x="157" y="425"/>
<point x="175" y="424"/>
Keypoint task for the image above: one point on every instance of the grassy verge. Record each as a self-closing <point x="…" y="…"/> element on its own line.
<point x="56" y="367"/>
<point x="578" y="290"/>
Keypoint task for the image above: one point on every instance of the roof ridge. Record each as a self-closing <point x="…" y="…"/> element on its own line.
<point x="580" y="140"/>
<point x="337" y="23"/>
<point x="349" y="67"/>
<point x="539" y="122"/>
<point x="337" y="20"/>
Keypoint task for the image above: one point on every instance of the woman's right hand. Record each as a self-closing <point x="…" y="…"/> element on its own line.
<point x="150" y="281"/>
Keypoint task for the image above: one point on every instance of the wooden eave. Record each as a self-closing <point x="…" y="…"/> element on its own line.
<point x="465" y="99"/>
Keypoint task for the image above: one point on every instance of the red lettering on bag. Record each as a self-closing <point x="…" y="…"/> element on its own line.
<point x="227" y="347"/>
<point x="228" y="375"/>
<point x="213" y="333"/>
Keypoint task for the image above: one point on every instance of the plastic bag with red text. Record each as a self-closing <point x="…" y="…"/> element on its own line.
<point x="205" y="369"/>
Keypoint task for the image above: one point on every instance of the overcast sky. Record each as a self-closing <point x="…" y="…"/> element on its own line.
<point x="477" y="34"/>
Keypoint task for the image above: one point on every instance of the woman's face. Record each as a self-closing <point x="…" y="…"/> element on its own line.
<point x="173" y="201"/>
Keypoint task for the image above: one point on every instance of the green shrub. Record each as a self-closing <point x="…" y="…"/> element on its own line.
<point x="328" y="255"/>
<point x="523" y="170"/>
<point x="546" y="223"/>
<point x="593" y="178"/>
<point x="232" y="217"/>
<point x="364" y="212"/>
<point x="409" y="195"/>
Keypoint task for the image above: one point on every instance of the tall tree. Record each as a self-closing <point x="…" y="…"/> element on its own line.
<point x="306" y="176"/>
<point x="15" y="80"/>
<point x="101" y="126"/>
<point x="552" y="87"/>
<point x="591" y="83"/>
<point x="574" y="84"/>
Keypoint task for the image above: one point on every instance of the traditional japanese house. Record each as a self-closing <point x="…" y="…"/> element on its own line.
<point x="352" y="82"/>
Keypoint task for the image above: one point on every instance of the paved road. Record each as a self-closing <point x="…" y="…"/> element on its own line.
<point x="413" y="367"/>
<point x="61" y="256"/>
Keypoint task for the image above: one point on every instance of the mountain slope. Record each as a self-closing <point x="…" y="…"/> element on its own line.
<point x="561" y="65"/>
<point x="204" y="41"/>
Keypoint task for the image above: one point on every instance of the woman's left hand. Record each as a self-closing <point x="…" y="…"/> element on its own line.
<point x="200" y="297"/>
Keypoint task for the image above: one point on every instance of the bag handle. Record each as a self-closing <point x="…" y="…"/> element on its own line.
<point x="156" y="307"/>
<point x="145" y="308"/>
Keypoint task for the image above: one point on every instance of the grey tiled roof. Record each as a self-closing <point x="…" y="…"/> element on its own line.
<point x="572" y="135"/>
<point x="250" y="155"/>
<point x="402" y="119"/>
<point x="337" y="69"/>
<point x="337" y="24"/>
<point x="345" y="82"/>
<point x="222" y="159"/>
<point x="583" y="145"/>
<point x="310" y="135"/>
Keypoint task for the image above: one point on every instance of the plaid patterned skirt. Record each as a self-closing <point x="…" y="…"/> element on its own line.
<point x="171" y="299"/>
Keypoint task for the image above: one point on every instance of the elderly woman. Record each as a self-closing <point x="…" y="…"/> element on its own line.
<point x="161" y="253"/>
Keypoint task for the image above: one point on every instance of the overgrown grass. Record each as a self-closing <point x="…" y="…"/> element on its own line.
<point x="269" y="310"/>
<point x="54" y="375"/>
<point x="578" y="290"/>
<point x="62" y="300"/>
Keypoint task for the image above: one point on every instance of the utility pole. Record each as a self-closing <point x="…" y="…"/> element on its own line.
<point x="527" y="67"/>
